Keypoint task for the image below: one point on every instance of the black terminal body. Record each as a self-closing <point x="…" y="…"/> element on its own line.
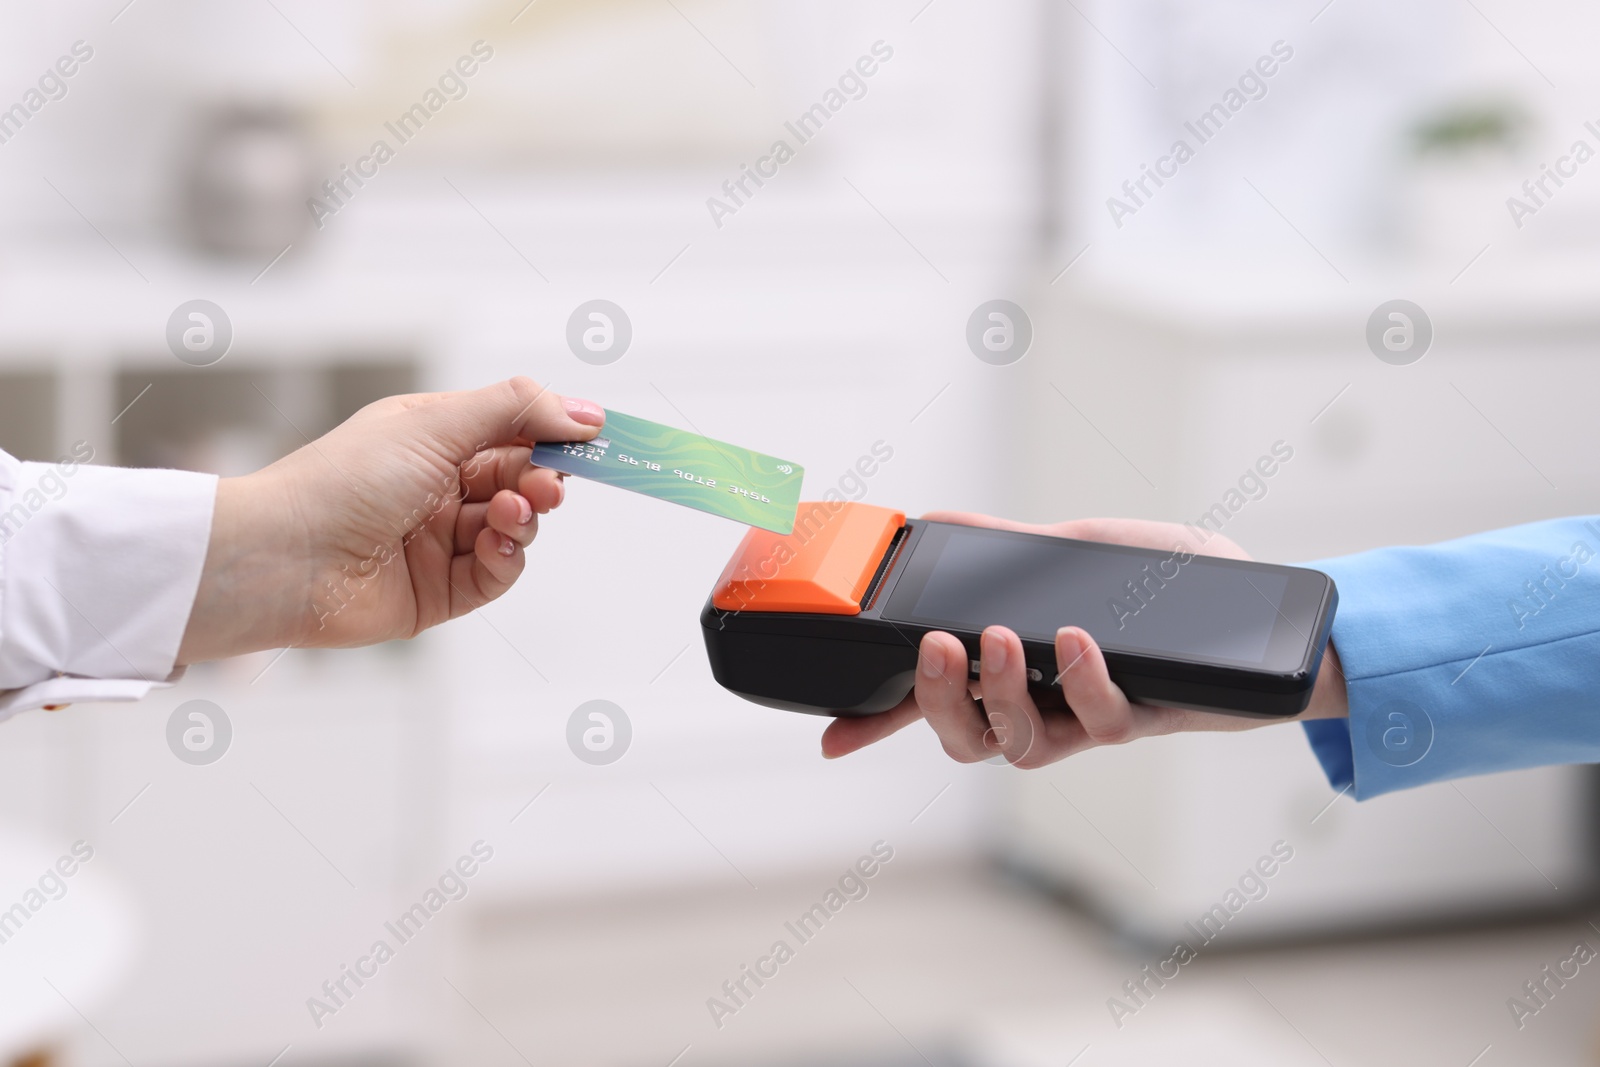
<point x="1187" y="631"/>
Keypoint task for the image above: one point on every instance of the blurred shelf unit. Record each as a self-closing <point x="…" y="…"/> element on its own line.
<point x="28" y="413"/>
<point x="230" y="418"/>
<point x="227" y="419"/>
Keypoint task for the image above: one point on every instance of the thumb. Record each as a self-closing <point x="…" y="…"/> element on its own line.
<point x="518" y="409"/>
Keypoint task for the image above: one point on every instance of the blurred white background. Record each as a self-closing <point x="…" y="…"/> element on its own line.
<point x="825" y="315"/>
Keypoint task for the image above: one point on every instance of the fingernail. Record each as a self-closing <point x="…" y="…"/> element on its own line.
<point x="585" y="411"/>
<point x="524" y="511"/>
<point x="926" y="664"/>
<point x="1069" y="645"/>
<point x="994" y="651"/>
<point x="561" y="490"/>
<point x="508" y="547"/>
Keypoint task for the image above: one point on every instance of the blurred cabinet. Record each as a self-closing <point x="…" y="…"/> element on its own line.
<point x="28" y="411"/>
<point x="232" y="418"/>
<point x="1153" y="397"/>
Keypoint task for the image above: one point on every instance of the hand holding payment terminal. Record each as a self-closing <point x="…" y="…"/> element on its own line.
<point x="828" y="618"/>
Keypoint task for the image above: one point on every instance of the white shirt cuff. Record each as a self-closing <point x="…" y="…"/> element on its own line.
<point x="99" y="567"/>
<point x="59" y="692"/>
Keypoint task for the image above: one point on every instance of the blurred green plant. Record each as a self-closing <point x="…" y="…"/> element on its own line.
<point x="1460" y="128"/>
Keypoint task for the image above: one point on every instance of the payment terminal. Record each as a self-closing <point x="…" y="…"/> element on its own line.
<point x="828" y="618"/>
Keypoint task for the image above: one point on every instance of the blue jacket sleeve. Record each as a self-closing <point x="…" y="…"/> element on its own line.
<point x="1467" y="657"/>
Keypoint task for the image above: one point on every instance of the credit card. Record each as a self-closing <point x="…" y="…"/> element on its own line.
<point x="685" y="468"/>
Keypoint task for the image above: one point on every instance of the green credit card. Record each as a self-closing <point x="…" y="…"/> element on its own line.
<point x="685" y="468"/>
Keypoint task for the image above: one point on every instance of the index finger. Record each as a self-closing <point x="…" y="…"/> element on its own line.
<point x="850" y="734"/>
